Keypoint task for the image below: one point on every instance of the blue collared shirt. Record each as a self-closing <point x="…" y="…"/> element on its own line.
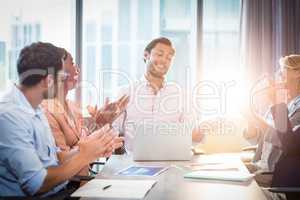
<point x="27" y="147"/>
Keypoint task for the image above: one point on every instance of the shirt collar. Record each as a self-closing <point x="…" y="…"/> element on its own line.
<point x="17" y="97"/>
<point x="147" y="83"/>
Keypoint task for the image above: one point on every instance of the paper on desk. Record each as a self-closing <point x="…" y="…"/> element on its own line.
<point x="127" y="189"/>
<point x="220" y="175"/>
<point x="212" y="167"/>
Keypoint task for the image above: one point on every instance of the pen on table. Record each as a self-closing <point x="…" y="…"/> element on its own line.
<point x="106" y="187"/>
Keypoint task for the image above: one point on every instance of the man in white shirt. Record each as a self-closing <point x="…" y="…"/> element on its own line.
<point x="152" y="98"/>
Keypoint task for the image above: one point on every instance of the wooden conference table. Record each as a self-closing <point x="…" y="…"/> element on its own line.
<point x="171" y="184"/>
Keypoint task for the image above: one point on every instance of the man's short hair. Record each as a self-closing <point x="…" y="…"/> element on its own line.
<point x="38" y="60"/>
<point x="154" y="42"/>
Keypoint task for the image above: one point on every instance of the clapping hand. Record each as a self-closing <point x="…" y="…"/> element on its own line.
<point x="110" y="111"/>
<point x="100" y="143"/>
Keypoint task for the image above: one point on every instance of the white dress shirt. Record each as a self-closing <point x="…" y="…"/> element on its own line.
<point x="171" y="104"/>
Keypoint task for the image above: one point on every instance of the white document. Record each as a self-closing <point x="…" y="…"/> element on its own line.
<point x="212" y="167"/>
<point x="220" y="175"/>
<point x="108" y="188"/>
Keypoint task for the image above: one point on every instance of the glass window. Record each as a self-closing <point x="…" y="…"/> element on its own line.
<point x="124" y="64"/>
<point x="2" y="64"/>
<point x="124" y="20"/>
<point x="24" y="22"/>
<point x="90" y="63"/>
<point x="106" y="31"/>
<point x="122" y="37"/>
<point x="176" y="20"/>
<point x="221" y="21"/>
<point x="91" y="31"/>
<point x="106" y="56"/>
<point x="140" y="68"/>
<point x="145" y="19"/>
<point x="2" y="53"/>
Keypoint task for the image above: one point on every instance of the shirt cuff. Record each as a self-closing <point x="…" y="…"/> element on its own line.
<point x="34" y="183"/>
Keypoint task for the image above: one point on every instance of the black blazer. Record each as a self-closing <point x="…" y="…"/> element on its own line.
<point x="287" y="169"/>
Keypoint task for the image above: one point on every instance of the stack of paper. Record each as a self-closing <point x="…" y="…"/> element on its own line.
<point x="107" y="188"/>
<point x="220" y="175"/>
<point x="212" y="167"/>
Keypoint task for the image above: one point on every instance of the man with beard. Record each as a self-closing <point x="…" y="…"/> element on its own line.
<point x="28" y="155"/>
<point x="152" y="98"/>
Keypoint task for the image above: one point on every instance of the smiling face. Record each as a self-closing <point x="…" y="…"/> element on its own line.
<point x="159" y="59"/>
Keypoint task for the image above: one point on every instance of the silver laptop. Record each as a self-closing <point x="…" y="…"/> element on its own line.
<point x="162" y="141"/>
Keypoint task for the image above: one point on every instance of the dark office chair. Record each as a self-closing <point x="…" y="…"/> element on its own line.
<point x="286" y="176"/>
<point x="291" y="193"/>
